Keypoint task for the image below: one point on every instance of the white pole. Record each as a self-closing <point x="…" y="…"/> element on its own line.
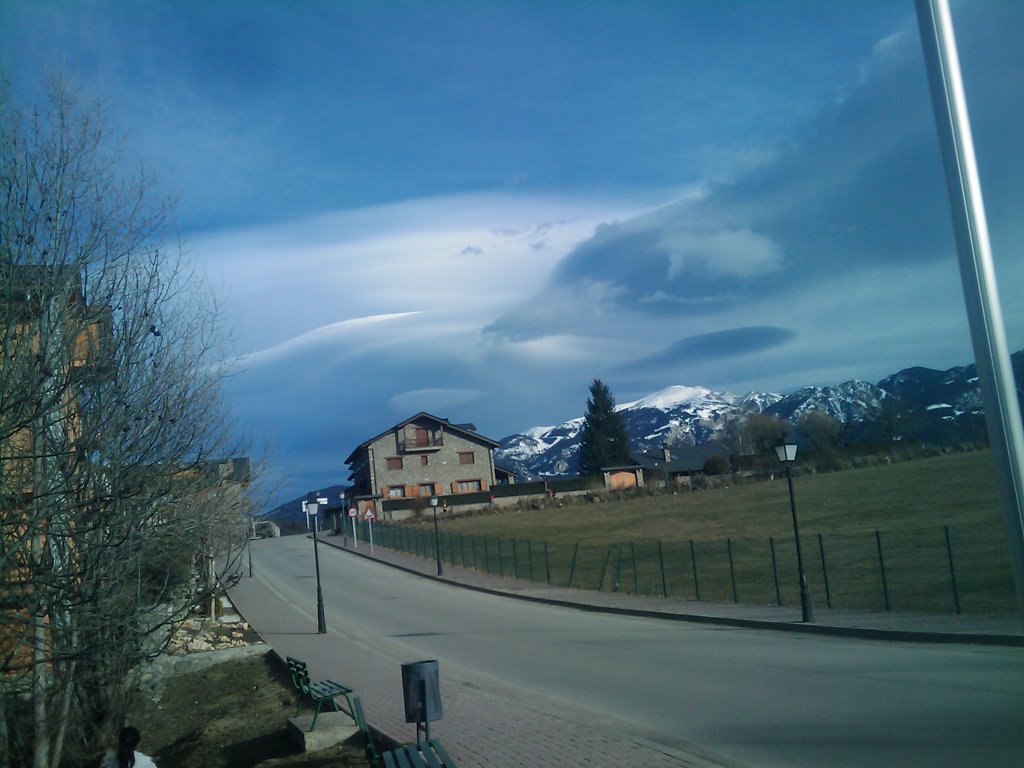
<point x="355" y="533"/>
<point x="369" y="522"/>
<point x="984" y="314"/>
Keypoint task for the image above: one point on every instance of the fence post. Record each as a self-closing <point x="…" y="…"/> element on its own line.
<point x="881" y="566"/>
<point x="732" y="571"/>
<point x="661" y="562"/>
<point x="547" y="564"/>
<point x="462" y="549"/>
<point x="775" y="571"/>
<point x="693" y="559"/>
<point x="824" y="570"/>
<point x="636" y="581"/>
<point x="501" y="560"/>
<point x="952" y="571"/>
<point x="604" y="568"/>
<point x="451" y="548"/>
<point x="529" y="557"/>
<point x="487" y="553"/>
<point x="515" y="560"/>
<point x="618" y="568"/>
<point x="572" y="566"/>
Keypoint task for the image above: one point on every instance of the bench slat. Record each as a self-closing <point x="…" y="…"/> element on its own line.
<point x="429" y="757"/>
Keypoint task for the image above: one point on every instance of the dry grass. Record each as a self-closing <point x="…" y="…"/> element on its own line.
<point x="626" y="542"/>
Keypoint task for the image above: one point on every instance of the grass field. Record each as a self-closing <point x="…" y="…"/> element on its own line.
<point x="917" y="535"/>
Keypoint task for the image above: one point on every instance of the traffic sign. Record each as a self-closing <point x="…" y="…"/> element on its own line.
<point x="352" y="512"/>
<point x="369" y="515"/>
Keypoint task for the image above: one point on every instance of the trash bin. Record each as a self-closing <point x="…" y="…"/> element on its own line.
<point x="421" y="685"/>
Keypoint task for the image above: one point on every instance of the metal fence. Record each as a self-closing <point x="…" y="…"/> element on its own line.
<point x="947" y="569"/>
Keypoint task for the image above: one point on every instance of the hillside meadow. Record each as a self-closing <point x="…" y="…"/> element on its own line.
<point x="953" y="489"/>
<point x="925" y="534"/>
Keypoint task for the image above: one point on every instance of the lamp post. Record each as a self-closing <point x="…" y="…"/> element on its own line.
<point x="312" y="508"/>
<point x="248" y="543"/>
<point x="437" y="538"/>
<point x="786" y="451"/>
<point x="344" y="533"/>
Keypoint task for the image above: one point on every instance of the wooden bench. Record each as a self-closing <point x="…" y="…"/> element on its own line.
<point x="319" y="692"/>
<point x="426" y="754"/>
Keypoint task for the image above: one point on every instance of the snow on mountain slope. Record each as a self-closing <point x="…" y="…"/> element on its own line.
<point x="680" y="415"/>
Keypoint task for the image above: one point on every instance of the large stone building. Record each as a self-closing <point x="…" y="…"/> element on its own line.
<point x="422" y="456"/>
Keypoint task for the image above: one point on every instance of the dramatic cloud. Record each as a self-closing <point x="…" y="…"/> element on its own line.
<point x="712" y="346"/>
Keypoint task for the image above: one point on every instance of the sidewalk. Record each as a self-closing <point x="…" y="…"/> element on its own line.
<point x="908" y="627"/>
<point x="485" y="730"/>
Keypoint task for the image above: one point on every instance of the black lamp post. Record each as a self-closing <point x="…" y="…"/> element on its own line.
<point x="437" y="537"/>
<point x="344" y="533"/>
<point x="312" y="508"/>
<point x="248" y="543"/>
<point x="786" y="451"/>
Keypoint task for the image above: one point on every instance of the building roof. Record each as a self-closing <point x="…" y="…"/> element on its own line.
<point x="466" y="430"/>
<point x="683" y="458"/>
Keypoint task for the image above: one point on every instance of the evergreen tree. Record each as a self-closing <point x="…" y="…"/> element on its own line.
<point x="605" y="443"/>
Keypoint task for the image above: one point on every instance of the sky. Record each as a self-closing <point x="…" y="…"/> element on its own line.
<point x="475" y="208"/>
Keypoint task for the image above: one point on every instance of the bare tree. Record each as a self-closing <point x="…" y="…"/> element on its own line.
<point x="821" y="430"/>
<point x="110" y="420"/>
<point x="764" y="430"/>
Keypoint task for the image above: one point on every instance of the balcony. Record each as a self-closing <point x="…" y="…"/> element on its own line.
<point x="421" y="443"/>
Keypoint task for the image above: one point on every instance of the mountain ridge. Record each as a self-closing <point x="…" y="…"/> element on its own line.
<point x="937" y="406"/>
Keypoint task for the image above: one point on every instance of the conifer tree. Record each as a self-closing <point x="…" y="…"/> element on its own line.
<point x="605" y="443"/>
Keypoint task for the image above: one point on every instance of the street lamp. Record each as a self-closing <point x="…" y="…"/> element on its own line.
<point x="437" y="538"/>
<point x="312" y="508"/>
<point x="248" y="542"/>
<point x="786" y="451"/>
<point x="344" y="511"/>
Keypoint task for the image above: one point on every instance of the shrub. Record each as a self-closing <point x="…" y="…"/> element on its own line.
<point x="716" y="465"/>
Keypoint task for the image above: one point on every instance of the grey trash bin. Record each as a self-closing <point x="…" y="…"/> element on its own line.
<point x="422" y="688"/>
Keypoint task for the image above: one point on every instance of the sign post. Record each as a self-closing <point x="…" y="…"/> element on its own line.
<point x="353" y="513"/>
<point x="369" y="516"/>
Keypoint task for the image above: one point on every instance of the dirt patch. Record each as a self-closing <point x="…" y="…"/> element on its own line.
<point x="231" y="714"/>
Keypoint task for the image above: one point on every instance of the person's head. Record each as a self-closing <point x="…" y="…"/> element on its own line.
<point x="127" y="741"/>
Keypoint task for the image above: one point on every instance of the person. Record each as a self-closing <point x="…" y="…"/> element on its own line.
<point x="127" y="757"/>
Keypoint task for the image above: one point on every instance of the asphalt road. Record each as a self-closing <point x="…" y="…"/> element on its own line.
<point x="746" y="697"/>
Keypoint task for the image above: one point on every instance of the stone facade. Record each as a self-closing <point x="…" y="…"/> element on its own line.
<point x="423" y="456"/>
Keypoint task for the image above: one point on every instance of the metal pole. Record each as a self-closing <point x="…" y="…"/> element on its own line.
<point x="252" y="530"/>
<point x="952" y="571"/>
<point x="321" y="621"/>
<point x="355" y="533"/>
<point x="437" y="545"/>
<point x="344" y="533"/>
<point x="732" y="572"/>
<point x="661" y="562"/>
<point x="805" y="590"/>
<point x="977" y="273"/>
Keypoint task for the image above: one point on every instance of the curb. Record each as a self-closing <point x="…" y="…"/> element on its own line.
<point x="864" y="633"/>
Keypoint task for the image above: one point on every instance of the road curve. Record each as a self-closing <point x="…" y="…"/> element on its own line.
<point x="722" y="695"/>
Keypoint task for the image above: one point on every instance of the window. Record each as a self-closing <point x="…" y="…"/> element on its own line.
<point x="423" y="460"/>
<point x="395" y="462"/>
<point x="468" y="486"/>
<point x="465" y="457"/>
<point x="396" y="492"/>
<point x="426" y="489"/>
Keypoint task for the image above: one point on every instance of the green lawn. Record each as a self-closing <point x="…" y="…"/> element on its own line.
<point x="648" y="544"/>
<point x="957" y="489"/>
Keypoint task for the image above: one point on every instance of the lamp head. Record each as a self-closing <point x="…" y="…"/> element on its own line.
<point x="785" y="449"/>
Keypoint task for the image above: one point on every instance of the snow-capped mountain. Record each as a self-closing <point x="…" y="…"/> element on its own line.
<point x="945" y="406"/>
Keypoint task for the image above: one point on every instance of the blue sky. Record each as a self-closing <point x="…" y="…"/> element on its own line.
<point x="474" y="208"/>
